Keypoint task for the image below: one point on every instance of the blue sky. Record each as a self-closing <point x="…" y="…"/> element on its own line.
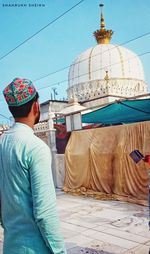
<point x="59" y="44"/>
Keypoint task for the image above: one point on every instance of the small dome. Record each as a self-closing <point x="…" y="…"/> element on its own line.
<point x="93" y="64"/>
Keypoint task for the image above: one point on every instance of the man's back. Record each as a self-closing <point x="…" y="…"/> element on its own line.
<point x="28" y="202"/>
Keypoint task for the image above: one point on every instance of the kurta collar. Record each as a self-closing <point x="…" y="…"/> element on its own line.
<point x="18" y="125"/>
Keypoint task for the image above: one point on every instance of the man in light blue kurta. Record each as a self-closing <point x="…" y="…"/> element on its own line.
<point x="28" y="201"/>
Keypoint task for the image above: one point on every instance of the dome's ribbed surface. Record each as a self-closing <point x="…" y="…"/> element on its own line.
<point x="92" y="64"/>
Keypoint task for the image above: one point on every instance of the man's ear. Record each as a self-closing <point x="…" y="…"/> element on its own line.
<point x="35" y="107"/>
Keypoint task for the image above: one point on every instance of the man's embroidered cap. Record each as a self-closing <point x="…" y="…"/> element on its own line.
<point x="19" y="92"/>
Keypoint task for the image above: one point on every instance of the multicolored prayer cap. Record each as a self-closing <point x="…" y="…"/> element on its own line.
<point x="19" y="92"/>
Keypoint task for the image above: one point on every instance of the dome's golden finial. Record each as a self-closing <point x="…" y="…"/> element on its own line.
<point x="102" y="35"/>
<point x="102" y="22"/>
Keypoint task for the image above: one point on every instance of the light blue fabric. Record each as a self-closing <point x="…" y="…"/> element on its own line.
<point x="28" y="201"/>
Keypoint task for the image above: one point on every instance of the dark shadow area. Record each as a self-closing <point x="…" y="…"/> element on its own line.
<point x="81" y="250"/>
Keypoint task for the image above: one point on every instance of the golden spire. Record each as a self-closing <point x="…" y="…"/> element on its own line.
<point x="102" y="22"/>
<point x="102" y="35"/>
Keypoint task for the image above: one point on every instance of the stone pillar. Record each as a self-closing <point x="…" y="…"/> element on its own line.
<point x="51" y="137"/>
<point x="60" y="170"/>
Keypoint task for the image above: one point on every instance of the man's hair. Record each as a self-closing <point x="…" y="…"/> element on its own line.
<point x="23" y="110"/>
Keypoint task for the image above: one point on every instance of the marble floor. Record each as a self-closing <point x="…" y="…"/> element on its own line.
<point x="91" y="226"/>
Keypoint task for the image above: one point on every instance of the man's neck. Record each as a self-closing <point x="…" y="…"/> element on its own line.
<point x="25" y="121"/>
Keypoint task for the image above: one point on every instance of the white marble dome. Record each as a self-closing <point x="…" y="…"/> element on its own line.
<point x="93" y="63"/>
<point x="106" y="69"/>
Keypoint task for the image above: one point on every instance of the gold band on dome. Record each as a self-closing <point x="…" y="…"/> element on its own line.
<point x="121" y="60"/>
<point x="90" y="56"/>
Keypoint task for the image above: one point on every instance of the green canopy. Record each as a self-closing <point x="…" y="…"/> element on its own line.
<point x="127" y="111"/>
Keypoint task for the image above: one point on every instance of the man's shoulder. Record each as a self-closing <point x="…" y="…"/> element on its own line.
<point x="40" y="142"/>
<point x="29" y="141"/>
<point x="37" y="149"/>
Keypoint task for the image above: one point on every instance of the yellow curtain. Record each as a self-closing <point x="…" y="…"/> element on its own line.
<point x="98" y="164"/>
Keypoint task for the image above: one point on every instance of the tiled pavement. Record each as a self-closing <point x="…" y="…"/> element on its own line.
<point x="92" y="226"/>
